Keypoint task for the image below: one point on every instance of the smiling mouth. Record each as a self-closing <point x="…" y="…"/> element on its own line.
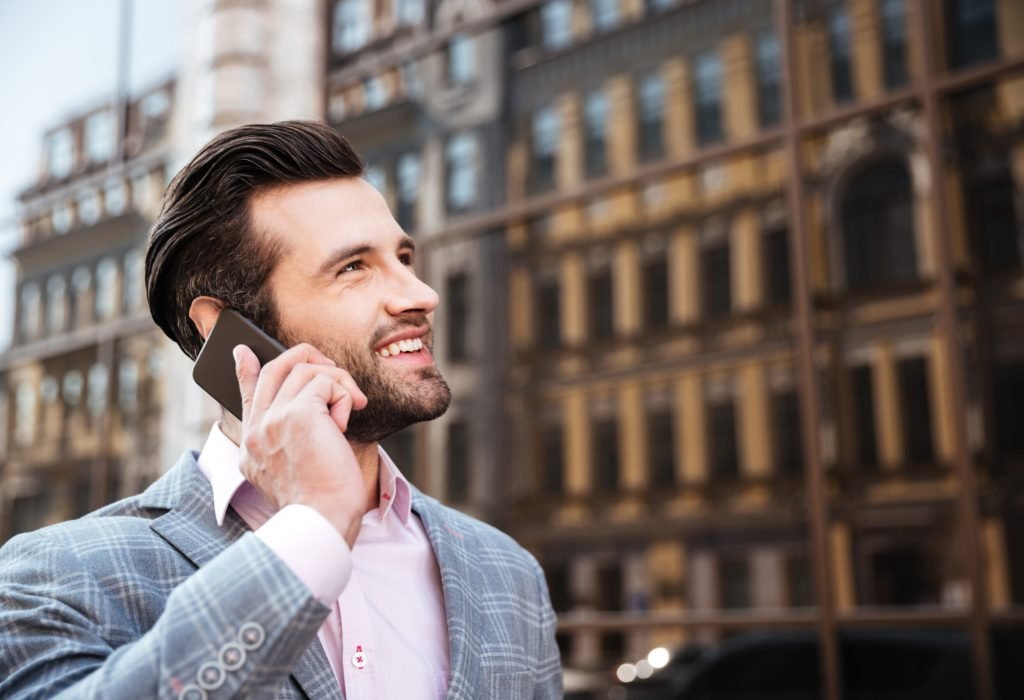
<point x="410" y="346"/>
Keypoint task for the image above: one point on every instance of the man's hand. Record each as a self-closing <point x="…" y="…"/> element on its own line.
<point x="294" y="415"/>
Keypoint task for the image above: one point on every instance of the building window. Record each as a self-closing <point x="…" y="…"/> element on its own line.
<point x="30" y="512"/>
<point x="894" y="41"/>
<point x="605" y="14"/>
<point x="352" y="25"/>
<point x="798" y="582"/>
<point x="128" y="384"/>
<point x="375" y="95"/>
<point x="992" y="223"/>
<point x="30" y="321"/>
<point x="917" y="415"/>
<point x="769" y="109"/>
<point x="25" y="414"/>
<point x="971" y="31"/>
<point x="559" y="589"/>
<point x="734" y="579"/>
<point x="99" y="136"/>
<point x="458" y="461"/>
<point x="401" y="448"/>
<point x="457" y="297"/>
<point x="708" y="86"/>
<point x="556" y="24"/>
<point x="89" y="207"/>
<point x="62" y="218"/>
<point x="460" y="60"/>
<point x="600" y="303"/>
<point x="651" y="111"/>
<point x="865" y="440"/>
<point x="552" y="457"/>
<point x="408" y="13"/>
<point x="60" y="153"/>
<point x="724" y="457"/>
<point x="106" y="289"/>
<point x="49" y="390"/>
<point x="716" y="280"/>
<point x="407" y="185"/>
<point x="134" y="268"/>
<point x="878" y="228"/>
<point x="461" y="157"/>
<point x="656" y="292"/>
<point x="660" y="431"/>
<point x="546" y="127"/>
<point x="99" y="380"/>
<point x="1008" y="409"/>
<point x="605" y="456"/>
<point x="71" y="387"/>
<point x="81" y="287"/>
<point x="595" y="117"/>
<point x="548" y="313"/>
<point x="788" y="450"/>
<point x="56" y="304"/>
<point x="839" y="53"/>
<point x="777" y="282"/>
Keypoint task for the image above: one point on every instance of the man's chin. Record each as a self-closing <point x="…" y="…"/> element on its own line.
<point x="374" y="423"/>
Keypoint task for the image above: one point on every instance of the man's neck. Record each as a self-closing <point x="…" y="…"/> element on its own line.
<point x="366" y="454"/>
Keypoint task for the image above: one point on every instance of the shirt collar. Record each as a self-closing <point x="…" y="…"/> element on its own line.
<point x="219" y="463"/>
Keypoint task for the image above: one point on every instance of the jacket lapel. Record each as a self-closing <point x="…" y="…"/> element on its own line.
<point x="190" y="526"/>
<point x="451" y="549"/>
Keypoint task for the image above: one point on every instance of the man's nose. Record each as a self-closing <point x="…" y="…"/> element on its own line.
<point x="411" y="295"/>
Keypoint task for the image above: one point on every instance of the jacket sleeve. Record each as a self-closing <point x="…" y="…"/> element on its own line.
<point x="233" y="629"/>
<point x="548" y="683"/>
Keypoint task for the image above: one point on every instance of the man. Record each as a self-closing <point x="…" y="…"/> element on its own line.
<point x="290" y="558"/>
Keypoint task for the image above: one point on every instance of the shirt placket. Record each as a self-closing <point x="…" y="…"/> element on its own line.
<point x="360" y="657"/>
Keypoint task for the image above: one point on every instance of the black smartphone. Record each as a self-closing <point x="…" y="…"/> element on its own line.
<point x="215" y="367"/>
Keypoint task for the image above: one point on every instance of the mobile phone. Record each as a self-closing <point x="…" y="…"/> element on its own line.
<point x="214" y="370"/>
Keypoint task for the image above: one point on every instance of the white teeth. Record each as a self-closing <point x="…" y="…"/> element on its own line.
<point x="404" y="345"/>
<point x="394" y="349"/>
<point x="384" y="353"/>
<point x="410" y="345"/>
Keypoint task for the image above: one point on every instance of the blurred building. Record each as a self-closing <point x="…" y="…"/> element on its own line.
<point x="83" y="382"/>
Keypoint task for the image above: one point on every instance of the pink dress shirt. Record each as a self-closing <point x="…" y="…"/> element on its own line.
<point x="386" y="636"/>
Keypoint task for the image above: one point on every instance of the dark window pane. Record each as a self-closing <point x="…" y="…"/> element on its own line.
<point x="551" y="455"/>
<point x="458" y="461"/>
<point x="878" y="228"/>
<point x="866" y="446"/>
<point x="605" y="441"/>
<point x="708" y="85"/>
<point x="599" y="302"/>
<point x="609" y="588"/>
<point x="778" y="286"/>
<point x="1008" y="404"/>
<point x="798" y="581"/>
<point x="656" y="293"/>
<point x="596" y="133"/>
<point x="734" y="575"/>
<point x="724" y="455"/>
<point x="993" y="225"/>
<point x="901" y="574"/>
<point x="839" y="51"/>
<point x="971" y="31"/>
<point x="917" y="418"/>
<point x="29" y="512"/>
<point x="894" y="44"/>
<point x="662" y="453"/>
<point x="547" y="314"/>
<point x="544" y="142"/>
<point x="716" y="281"/>
<point x="399" y="447"/>
<point x="769" y="110"/>
<point x="786" y="427"/>
<point x="651" y="116"/>
<point x="457" y="303"/>
<point x="558" y="586"/>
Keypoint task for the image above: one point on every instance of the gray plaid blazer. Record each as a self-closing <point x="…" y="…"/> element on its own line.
<point x="149" y="598"/>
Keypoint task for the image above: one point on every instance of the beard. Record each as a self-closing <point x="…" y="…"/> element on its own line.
<point x="393" y="402"/>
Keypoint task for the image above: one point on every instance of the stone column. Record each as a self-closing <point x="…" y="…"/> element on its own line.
<point x="755" y="447"/>
<point x="621" y="126"/>
<point x="740" y="98"/>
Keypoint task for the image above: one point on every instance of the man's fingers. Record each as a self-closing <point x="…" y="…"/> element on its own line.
<point x="275" y="372"/>
<point x="247" y="370"/>
<point x="323" y="389"/>
<point x="302" y="374"/>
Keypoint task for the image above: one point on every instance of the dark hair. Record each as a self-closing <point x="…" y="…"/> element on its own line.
<point x="203" y="242"/>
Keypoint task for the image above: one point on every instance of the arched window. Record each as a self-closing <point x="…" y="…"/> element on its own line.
<point x="878" y="227"/>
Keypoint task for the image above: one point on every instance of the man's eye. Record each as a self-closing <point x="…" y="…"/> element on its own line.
<point x="406" y="258"/>
<point x="351" y="267"/>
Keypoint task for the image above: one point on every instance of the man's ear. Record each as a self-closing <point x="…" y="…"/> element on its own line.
<point x="204" y="312"/>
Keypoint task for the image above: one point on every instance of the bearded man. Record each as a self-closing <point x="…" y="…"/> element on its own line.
<point x="289" y="558"/>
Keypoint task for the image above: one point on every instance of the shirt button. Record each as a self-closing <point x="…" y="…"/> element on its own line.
<point x="359" y="658"/>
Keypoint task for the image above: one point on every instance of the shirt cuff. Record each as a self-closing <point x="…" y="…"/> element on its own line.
<point x="312" y="548"/>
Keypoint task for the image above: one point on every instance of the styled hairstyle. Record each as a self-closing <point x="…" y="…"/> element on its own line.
<point x="204" y="243"/>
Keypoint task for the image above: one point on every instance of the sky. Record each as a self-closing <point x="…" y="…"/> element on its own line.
<point x="59" y="58"/>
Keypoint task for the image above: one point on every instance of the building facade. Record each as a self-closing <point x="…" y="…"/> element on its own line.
<point x="84" y="378"/>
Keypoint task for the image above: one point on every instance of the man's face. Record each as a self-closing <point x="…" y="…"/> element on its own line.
<point x="345" y="284"/>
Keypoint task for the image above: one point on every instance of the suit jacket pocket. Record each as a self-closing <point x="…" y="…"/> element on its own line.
<point x="511" y="686"/>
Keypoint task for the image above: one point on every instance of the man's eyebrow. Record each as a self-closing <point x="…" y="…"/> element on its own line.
<point x="342" y="254"/>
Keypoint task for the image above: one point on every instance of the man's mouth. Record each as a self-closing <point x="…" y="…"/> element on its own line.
<point x="410" y="345"/>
